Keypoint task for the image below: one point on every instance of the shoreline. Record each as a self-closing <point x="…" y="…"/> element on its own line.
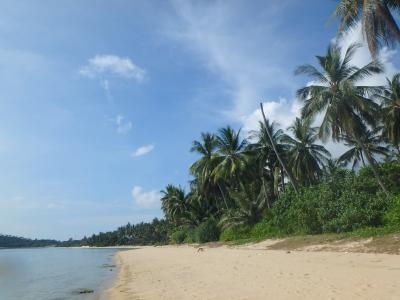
<point x="252" y="272"/>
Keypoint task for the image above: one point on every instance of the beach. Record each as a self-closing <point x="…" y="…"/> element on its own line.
<point x="251" y="272"/>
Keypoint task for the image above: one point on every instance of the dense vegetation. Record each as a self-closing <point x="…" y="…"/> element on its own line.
<point x="288" y="181"/>
<point x="154" y="233"/>
<point x="8" y="241"/>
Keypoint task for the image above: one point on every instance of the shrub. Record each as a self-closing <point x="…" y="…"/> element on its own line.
<point x="392" y="214"/>
<point x="264" y="229"/>
<point x="178" y="237"/>
<point x="338" y="205"/>
<point x="234" y="233"/>
<point x="207" y="231"/>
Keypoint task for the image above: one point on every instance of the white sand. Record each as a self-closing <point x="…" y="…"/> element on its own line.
<point x="245" y="273"/>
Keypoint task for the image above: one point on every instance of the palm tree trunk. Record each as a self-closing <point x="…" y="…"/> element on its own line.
<point x="283" y="179"/>
<point x="292" y="181"/>
<point x="223" y="195"/>
<point x="373" y="168"/>
<point x="265" y="191"/>
<point x="362" y="158"/>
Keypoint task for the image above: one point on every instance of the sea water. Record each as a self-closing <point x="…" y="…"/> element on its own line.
<point x="55" y="273"/>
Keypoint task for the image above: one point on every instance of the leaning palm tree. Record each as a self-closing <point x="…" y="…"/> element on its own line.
<point x="230" y="158"/>
<point x="335" y="93"/>
<point x="390" y="104"/>
<point x="278" y="156"/>
<point x="378" y="24"/>
<point x="306" y="157"/>
<point x="371" y="141"/>
<point x="173" y="203"/>
<point x="269" y="168"/>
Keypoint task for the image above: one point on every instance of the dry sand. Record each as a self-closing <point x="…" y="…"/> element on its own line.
<point x="252" y="273"/>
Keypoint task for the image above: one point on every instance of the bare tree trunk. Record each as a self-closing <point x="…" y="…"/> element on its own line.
<point x="283" y="179"/>
<point x="292" y="181"/>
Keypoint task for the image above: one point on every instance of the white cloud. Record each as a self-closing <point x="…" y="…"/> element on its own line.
<point x="143" y="150"/>
<point x="234" y="49"/>
<point x="145" y="199"/>
<point x="123" y="125"/>
<point x="363" y="56"/>
<point x="282" y="112"/>
<point x="101" y="66"/>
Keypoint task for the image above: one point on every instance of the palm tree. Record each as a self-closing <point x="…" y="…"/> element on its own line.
<point x="283" y="165"/>
<point x="377" y="21"/>
<point x="251" y="204"/>
<point x="262" y="150"/>
<point x="390" y="104"/>
<point x="372" y="142"/>
<point x="306" y="157"/>
<point x="174" y="205"/>
<point x="202" y="169"/>
<point x="230" y="159"/>
<point x="336" y="94"/>
<point x="206" y="147"/>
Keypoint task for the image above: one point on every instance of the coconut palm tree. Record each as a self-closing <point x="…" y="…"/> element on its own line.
<point x="230" y="158"/>
<point x="251" y="205"/>
<point x="306" y="157"/>
<point x="371" y="141"/>
<point x="335" y="93"/>
<point x="173" y="203"/>
<point x="206" y="147"/>
<point x="268" y="165"/>
<point x="390" y="104"/>
<point x="278" y="156"/>
<point x="202" y="169"/>
<point x="378" y="24"/>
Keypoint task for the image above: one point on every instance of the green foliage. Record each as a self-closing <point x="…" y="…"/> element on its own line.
<point x="251" y="202"/>
<point x="207" y="231"/>
<point x="392" y="214"/>
<point x="389" y="172"/>
<point x="235" y="233"/>
<point x="338" y="206"/>
<point x="8" y="241"/>
<point x="178" y="237"/>
<point x="262" y="230"/>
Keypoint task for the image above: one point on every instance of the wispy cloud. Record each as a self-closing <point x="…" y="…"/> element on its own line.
<point x="234" y="49"/>
<point x="101" y="66"/>
<point x="123" y="126"/>
<point x="145" y="199"/>
<point x="143" y="150"/>
<point x="106" y="67"/>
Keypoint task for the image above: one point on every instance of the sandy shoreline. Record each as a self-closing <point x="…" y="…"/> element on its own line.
<point x="247" y="273"/>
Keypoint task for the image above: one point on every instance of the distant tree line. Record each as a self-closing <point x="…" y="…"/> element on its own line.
<point x="9" y="241"/>
<point x="152" y="233"/>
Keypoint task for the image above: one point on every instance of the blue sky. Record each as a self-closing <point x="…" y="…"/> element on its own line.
<point x="100" y="100"/>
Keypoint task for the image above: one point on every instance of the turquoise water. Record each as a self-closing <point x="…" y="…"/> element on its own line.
<point x="55" y="273"/>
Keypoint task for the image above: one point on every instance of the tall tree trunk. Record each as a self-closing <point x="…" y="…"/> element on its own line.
<point x="223" y="195"/>
<point x="283" y="179"/>
<point x="362" y="158"/>
<point x="265" y="191"/>
<point x="373" y="168"/>
<point x="292" y="181"/>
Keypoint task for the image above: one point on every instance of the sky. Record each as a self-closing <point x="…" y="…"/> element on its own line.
<point x="101" y="100"/>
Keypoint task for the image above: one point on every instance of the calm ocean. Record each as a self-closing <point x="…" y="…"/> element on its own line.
<point x="55" y="273"/>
